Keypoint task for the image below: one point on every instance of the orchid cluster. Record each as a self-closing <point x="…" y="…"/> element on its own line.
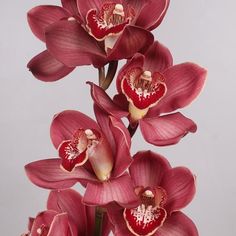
<point x="124" y="194"/>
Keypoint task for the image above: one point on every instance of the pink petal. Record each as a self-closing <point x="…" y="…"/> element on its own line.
<point x="85" y="6"/>
<point x="60" y="226"/>
<point x="42" y="16"/>
<point x="46" y="68"/>
<point x="136" y="61"/>
<point x="177" y="224"/>
<point x="167" y="129"/>
<point x="69" y="201"/>
<point x="184" y="82"/>
<point x="120" y="190"/>
<point x="43" y="218"/>
<point x="179" y="184"/>
<point x="157" y="58"/>
<point x="152" y="14"/>
<point x="120" y="227"/>
<point x="133" y="39"/>
<point x="48" y="174"/>
<point x="123" y="144"/>
<point x="71" y="6"/>
<point x="69" y="43"/>
<point x="104" y="122"/>
<point x="66" y="123"/>
<point x="102" y="100"/>
<point x="148" y="169"/>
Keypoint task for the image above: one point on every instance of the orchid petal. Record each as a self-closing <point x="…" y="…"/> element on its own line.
<point x="133" y="39"/>
<point x="42" y="16"/>
<point x="85" y="6"/>
<point x="136" y="61"/>
<point x="66" y="123"/>
<point x="152" y="14"/>
<point x="120" y="190"/>
<point x="46" y="68"/>
<point x="117" y="219"/>
<point x="178" y="224"/>
<point x="48" y="174"/>
<point x="43" y="218"/>
<point x="148" y="169"/>
<point x="157" y="58"/>
<point x="166" y="130"/>
<point x="184" y="82"/>
<point x="71" y="6"/>
<point x="60" y="225"/>
<point x="121" y="101"/>
<point x="102" y="100"/>
<point x="69" y="201"/>
<point x="179" y="184"/>
<point x="123" y="144"/>
<point x="69" y="43"/>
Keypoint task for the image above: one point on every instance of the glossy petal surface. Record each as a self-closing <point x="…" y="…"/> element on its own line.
<point x="166" y="130"/>
<point x="46" y="68"/>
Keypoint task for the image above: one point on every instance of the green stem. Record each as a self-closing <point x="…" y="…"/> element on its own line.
<point x="98" y="221"/>
<point x="105" y="82"/>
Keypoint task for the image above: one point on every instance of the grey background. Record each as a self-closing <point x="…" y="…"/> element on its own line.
<point x="201" y="31"/>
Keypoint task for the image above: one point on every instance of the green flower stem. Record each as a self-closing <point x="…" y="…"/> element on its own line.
<point x="98" y="221"/>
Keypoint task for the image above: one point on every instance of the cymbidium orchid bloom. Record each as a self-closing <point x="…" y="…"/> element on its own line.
<point x="65" y="216"/>
<point x="95" y="155"/>
<point x="149" y="86"/>
<point x="108" y="31"/>
<point x="163" y="191"/>
<point x="44" y="66"/>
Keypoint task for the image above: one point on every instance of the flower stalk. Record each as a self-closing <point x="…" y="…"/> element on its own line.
<point x="99" y="213"/>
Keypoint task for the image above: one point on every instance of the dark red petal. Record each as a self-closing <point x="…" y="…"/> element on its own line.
<point x="46" y="68"/>
<point x="121" y="101"/>
<point x="42" y="16"/>
<point x="157" y="58"/>
<point x="179" y="184"/>
<point x="184" y="83"/>
<point x="178" y="224"/>
<point x="102" y="100"/>
<point x="152" y="14"/>
<point x="120" y="190"/>
<point x="69" y="43"/>
<point x="69" y="201"/>
<point x="48" y="174"/>
<point x="166" y="130"/>
<point x="148" y="169"/>
<point x="133" y="39"/>
<point x="66" y="123"/>
<point x="85" y="6"/>
<point x="71" y="6"/>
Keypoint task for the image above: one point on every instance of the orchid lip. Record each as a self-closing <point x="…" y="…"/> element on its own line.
<point x="110" y="20"/>
<point x="145" y="219"/>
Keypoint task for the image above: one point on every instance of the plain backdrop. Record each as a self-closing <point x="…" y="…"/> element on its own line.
<point x="200" y="31"/>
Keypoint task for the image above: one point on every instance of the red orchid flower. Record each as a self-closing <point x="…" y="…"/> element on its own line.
<point x="109" y="31"/>
<point x="150" y="86"/>
<point x="67" y="216"/>
<point x="163" y="191"/>
<point x="95" y="155"/>
<point x="44" y="66"/>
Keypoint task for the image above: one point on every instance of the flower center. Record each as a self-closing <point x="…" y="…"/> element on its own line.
<point x="74" y="152"/>
<point x="109" y="22"/>
<point x="145" y="219"/>
<point x="143" y="90"/>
